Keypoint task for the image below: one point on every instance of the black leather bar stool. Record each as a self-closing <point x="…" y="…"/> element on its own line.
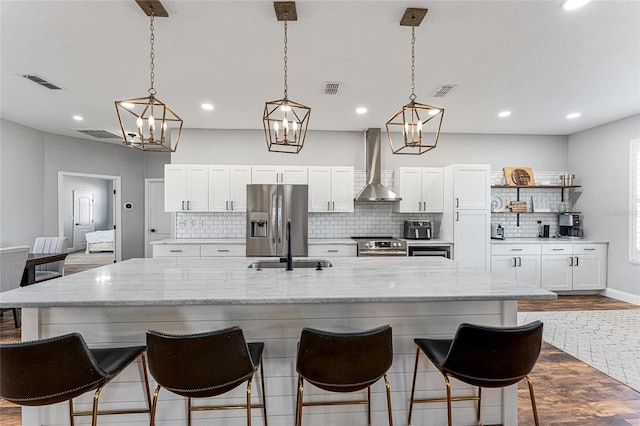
<point x="205" y="365"/>
<point x="344" y="362"/>
<point x="48" y="371"/>
<point x="490" y="357"/>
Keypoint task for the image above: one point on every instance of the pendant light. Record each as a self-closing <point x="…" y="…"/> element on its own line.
<point x="415" y="120"/>
<point x="285" y="122"/>
<point x="147" y="123"/>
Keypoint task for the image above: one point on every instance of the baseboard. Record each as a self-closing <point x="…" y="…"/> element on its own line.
<point x="623" y="296"/>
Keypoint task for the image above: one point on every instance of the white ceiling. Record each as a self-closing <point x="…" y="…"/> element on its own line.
<point x="530" y="57"/>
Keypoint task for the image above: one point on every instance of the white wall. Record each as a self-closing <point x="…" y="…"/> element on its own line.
<point x="600" y="159"/>
<point x="30" y="164"/>
<point x="200" y="146"/>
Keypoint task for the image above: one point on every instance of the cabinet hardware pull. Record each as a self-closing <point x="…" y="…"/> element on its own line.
<point x="577" y="261"/>
<point x="556" y="249"/>
<point x="425" y="206"/>
<point x="589" y="249"/>
<point x="457" y="202"/>
<point x="515" y="249"/>
<point x="519" y="261"/>
<point x="188" y="205"/>
<point x="571" y="261"/>
<point x="334" y="205"/>
<point x="332" y="251"/>
<point x="226" y="205"/>
<point x="328" y="205"/>
<point x="231" y="205"/>
<point x="457" y="216"/>
<point x="175" y="251"/>
<point x="222" y="250"/>
<point x="183" y="205"/>
<point x="515" y="262"/>
<point x="419" y="206"/>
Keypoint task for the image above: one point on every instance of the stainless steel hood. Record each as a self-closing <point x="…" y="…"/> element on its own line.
<point x="374" y="190"/>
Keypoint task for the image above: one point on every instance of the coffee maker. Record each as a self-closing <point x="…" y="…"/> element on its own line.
<point x="569" y="225"/>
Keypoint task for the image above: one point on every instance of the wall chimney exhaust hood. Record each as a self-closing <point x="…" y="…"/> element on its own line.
<point x="374" y="190"/>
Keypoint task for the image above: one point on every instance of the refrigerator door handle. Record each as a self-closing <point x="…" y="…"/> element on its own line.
<point x="274" y="212"/>
<point x="280" y="226"/>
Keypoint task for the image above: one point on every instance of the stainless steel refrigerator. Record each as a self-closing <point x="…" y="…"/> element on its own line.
<point x="269" y="209"/>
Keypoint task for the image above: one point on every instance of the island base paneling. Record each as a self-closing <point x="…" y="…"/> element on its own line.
<point x="279" y="326"/>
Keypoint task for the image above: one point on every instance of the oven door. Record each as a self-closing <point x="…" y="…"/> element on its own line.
<point x="440" y="251"/>
<point x="381" y="253"/>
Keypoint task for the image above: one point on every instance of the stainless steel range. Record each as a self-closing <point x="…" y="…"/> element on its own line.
<point x="380" y="246"/>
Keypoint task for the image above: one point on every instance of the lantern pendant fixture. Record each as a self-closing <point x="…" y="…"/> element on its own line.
<point x="285" y="121"/>
<point x="414" y="118"/>
<point x="147" y="123"/>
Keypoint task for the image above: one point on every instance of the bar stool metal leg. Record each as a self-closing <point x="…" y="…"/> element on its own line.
<point x="533" y="401"/>
<point x="388" y="386"/>
<point x="413" y="386"/>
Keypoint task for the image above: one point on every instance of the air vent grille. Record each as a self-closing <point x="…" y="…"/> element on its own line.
<point x="100" y="134"/>
<point x="442" y="90"/>
<point x="331" y="87"/>
<point x="41" y="81"/>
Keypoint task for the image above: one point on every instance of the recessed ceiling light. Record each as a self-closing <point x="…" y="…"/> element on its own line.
<point x="206" y="107"/>
<point x="361" y="110"/>
<point x="573" y="115"/>
<point x="504" y="114"/>
<point x="78" y="117"/>
<point x="574" y="4"/>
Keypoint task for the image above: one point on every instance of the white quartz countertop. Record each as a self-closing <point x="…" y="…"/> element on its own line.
<point x="223" y="281"/>
<point x="431" y="242"/>
<point x="547" y="241"/>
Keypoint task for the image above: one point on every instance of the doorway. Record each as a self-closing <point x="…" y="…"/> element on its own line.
<point x="157" y="221"/>
<point x="87" y="203"/>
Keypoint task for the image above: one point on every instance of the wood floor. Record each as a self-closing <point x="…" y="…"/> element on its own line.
<point x="568" y="392"/>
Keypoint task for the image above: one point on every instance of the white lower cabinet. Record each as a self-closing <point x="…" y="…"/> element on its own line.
<point x="176" y="250"/>
<point x="555" y="267"/>
<point x="223" y="250"/>
<point x="519" y="262"/>
<point x="567" y="267"/>
<point x="213" y="249"/>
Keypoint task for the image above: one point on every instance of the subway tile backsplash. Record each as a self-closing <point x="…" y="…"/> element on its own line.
<point x="378" y="218"/>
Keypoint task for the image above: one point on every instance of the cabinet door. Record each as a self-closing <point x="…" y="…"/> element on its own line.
<point x="320" y="189"/>
<point x="197" y="188"/>
<point x="175" y="187"/>
<point x="293" y="175"/>
<point x="504" y="266"/>
<point x="218" y="188"/>
<point x="471" y="186"/>
<point x="265" y="174"/>
<point x="556" y="272"/>
<point x="409" y="187"/>
<point x="342" y="189"/>
<point x="239" y="178"/>
<point x="432" y="190"/>
<point x="528" y="270"/>
<point x="471" y="231"/>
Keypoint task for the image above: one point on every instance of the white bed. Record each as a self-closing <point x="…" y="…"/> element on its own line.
<point x="99" y="241"/>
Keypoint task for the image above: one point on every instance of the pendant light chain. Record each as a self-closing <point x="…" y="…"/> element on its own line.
<point x="152" y="91"/>
<point x="412" y="97"/>
<point x="286" y="87"/>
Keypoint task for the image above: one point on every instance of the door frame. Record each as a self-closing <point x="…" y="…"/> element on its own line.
<point x="117" y="212"/>
<point x="147" y="204"/>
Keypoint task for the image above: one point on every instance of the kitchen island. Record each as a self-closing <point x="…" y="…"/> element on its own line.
<point x="418" y="297"/>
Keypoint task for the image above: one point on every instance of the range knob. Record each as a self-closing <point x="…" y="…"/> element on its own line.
<point x="367" y="245"/>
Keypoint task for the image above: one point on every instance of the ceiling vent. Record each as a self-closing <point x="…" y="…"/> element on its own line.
<point x="331" y="87"/>
<point x="41" y="81"/>
<point x="443" y="90"/>
<point x="100" y="134"/>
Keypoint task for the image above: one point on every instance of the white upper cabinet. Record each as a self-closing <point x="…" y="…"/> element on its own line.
<point x="228" y="188"/>
<point x="279" y="174"/>
<point x="186" y="188"/>
<point x="330" y="189"/>
<point x="471" y="188"/>
<point x="421" y="189"/>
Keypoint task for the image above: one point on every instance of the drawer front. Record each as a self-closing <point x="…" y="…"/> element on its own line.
<point x="595" y="249"/>
<point x="176" y="250"/>
<point x="557" y="249"/>
<point x="223" y="250"/>
<point x="515" y="249"/>
<point x="328" y="251"/>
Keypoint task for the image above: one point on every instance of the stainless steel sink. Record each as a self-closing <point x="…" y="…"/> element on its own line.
<point x="297" y="263"/>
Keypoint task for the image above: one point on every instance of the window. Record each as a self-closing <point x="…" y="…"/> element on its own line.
<point x="634" y="206"/>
